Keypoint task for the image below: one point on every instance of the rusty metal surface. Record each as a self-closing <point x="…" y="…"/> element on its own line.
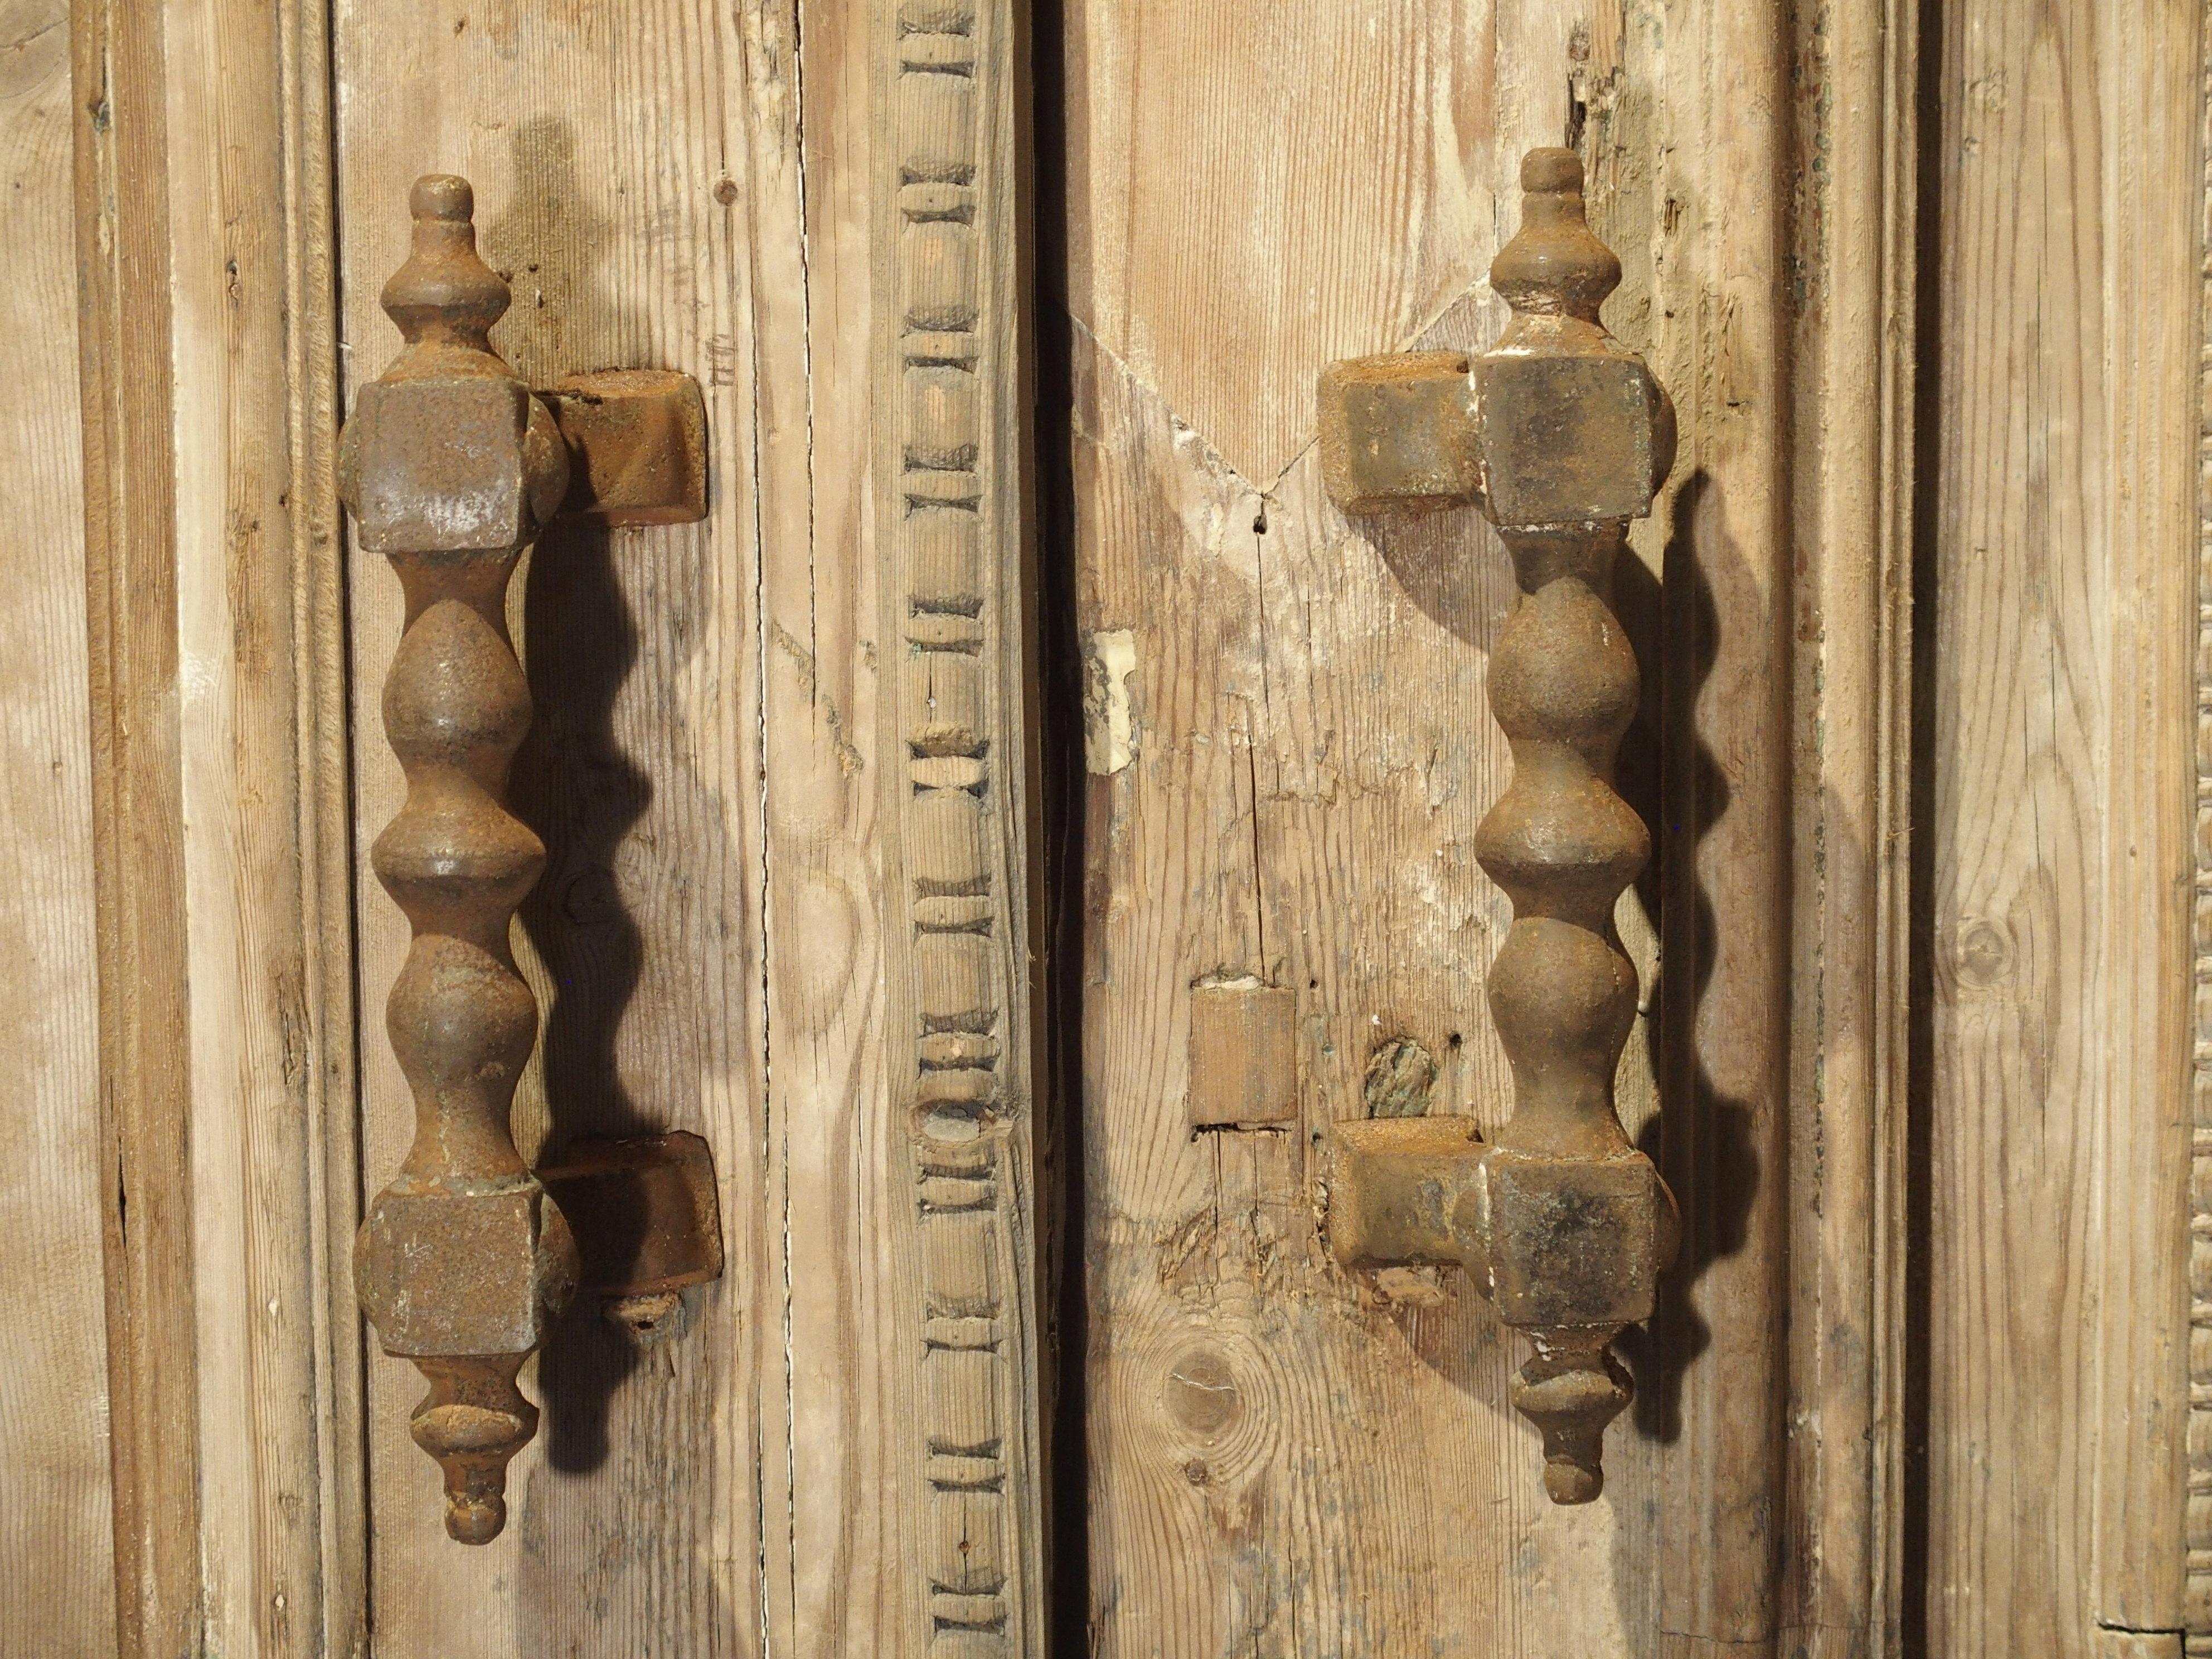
<point x="451" y="468"/>
<point x="1398" y="432"/>
<point x="637" y="444"/>
<point x="644" y="1211"/>
<point x="1563" y="1223"/>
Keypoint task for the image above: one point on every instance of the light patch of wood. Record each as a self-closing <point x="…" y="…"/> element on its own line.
<point x="1315" y="207"/>
<point x="2063" y="699"/>
<point x="56" y="1533"/>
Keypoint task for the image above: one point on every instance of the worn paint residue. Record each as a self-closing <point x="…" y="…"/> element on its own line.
<point x="1108" y="659"/>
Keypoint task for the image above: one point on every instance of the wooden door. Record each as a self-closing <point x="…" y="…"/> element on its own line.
<point x="1023" y="722"/>
<point x="777" y="759"/>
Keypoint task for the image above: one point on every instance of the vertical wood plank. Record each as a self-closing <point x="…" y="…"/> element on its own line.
<point x="58" y="1533"/>
<point x="1725" y="178"/>
<point x="123" y="254"/>
<point x="260" y="703"/>
<point x="743" y="927"/>
<point x="219" y="834"/>
<point x="1261" y="673"/>
<point x="2150" y="58"/>
<point x="949" y="391"/>
<point x="611" y="148"/>
<point x="2062" y="708"/>
<point x="2197" y="1561"/>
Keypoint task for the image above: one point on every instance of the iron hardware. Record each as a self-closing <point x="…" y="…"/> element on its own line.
<point x="451" y="467"/>
<point x="1562" y="435"/>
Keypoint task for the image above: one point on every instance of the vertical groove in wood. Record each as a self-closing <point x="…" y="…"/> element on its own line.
<point x="956" y="774"/>
<point x="1857" y="156"/>
<point x="331" y="1079"/>
<point x="121" y="168"/>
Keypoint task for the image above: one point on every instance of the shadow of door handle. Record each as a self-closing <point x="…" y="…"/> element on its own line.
<point x="1562" y="435"/>
<point x="450" y="466"/>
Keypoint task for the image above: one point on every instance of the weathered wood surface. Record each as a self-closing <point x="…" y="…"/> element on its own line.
<point x="1851" y="463"/>
<point x="57" y="1531"/>
<point x="729" y="937"/>
<point x="219" y="845"/>
<point x="1289" y="753"/>
<point x="2062" y="700"/>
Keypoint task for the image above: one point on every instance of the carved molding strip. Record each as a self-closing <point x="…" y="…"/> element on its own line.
<point x="948" y="377"/>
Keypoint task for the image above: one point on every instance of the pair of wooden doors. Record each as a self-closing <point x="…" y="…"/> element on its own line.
<point x="1918" y="617"/>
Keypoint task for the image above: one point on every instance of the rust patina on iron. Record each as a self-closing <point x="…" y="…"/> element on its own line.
<point x="451" y="467"/>
<point x="1561" y="433"/>
<point x="638" y="441"/>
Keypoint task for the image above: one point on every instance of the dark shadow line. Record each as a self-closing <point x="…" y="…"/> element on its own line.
<point x="1059" y="736"/>
<point x="1920" y="931"/>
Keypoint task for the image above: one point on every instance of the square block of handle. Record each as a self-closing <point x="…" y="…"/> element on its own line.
<point x="637" y="446"/>
<point x="438" y="466"/>
<point x="1402" y="1193"/>
<point x="447" y="1272"/>
<point x="1566" y="439"/>
<point x="1574" y="1240"/>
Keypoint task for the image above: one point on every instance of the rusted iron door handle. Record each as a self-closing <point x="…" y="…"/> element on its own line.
<point x="451" y="467"/>
<point x="1562" y="435"/>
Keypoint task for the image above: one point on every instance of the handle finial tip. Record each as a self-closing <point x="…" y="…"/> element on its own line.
<point x="442" y="196"/>
<point x="1550" y="171"/>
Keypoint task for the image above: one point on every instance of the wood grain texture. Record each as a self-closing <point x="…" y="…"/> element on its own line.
<point x="58" y="1535"/>
<point x="1725" y="172"/>
<point x="1289" y="755"/>
<point x="2064" y="375"/>
<point x="635" y="1523"/>
<point x="137" y="833"/>
<point x="1282" y="1460"/>
<point x="2197" y="1587"/>
<point x="219" y="835"/>
<point x="957" y="776"/>
<point x="724" y="768"/>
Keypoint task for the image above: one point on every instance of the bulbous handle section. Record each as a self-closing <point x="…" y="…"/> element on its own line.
<point x="1562" y="435"/>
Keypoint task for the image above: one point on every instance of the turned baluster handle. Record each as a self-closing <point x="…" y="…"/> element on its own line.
<point x="1562" y="435"/>
<point x="451" y="468"/>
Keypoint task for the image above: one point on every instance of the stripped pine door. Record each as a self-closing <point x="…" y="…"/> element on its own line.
<point x="1288" y="750"/>
<point x="1025" y="816"/>
<point x="777" y="761"/>
<point x="1918" y="1376"/>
